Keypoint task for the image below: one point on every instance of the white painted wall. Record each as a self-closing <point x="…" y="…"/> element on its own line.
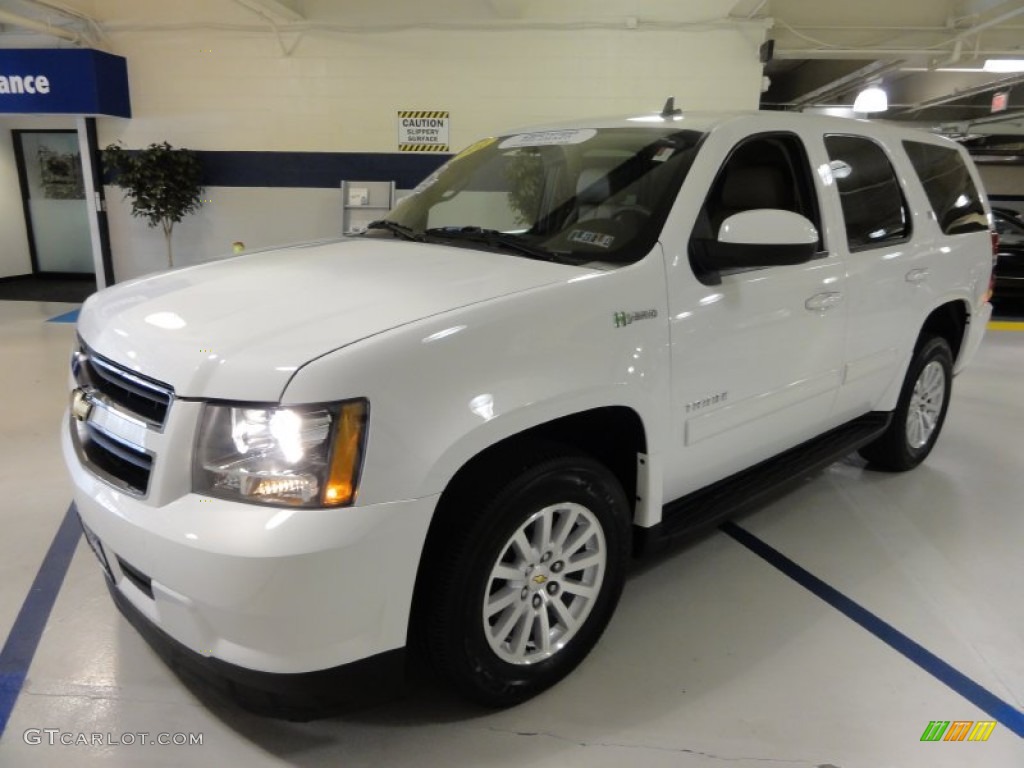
<point x="341" y="92"/>
<point x="259" y="217"/>
<point x="215" y="76"/>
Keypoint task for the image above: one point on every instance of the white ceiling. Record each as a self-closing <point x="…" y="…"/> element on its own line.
<point x="926" y="53"/>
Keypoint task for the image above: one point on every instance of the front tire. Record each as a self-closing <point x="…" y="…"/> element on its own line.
<point x="527" y="588"/>
<point x="920" y="412"/>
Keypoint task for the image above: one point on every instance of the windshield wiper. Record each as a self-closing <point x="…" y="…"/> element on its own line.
<point x="404" y="232"/>
<point x="492" y="237"/>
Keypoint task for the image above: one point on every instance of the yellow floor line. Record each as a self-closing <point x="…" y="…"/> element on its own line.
<point x="1006" y="325"/>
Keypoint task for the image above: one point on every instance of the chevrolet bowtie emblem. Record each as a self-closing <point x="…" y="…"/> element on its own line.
<point x="81" y="405"/>
<point x="540" y="578"/>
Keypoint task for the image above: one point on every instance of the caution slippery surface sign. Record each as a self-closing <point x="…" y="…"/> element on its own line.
<point x="422" y="130"/>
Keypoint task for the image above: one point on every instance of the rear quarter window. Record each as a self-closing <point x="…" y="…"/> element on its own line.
<point x="947" y="182"/>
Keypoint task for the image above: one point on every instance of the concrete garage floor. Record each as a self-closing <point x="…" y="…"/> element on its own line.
<point x="716" y="657"/>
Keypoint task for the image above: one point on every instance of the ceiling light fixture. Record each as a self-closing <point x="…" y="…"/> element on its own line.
<point x="871" y="99"/>
<point x="1004" y="65"/>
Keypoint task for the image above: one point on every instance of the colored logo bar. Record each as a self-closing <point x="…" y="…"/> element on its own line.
<point x="958" y="730"/>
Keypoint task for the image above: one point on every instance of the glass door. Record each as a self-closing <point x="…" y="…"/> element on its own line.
<point x="56" y="212"/>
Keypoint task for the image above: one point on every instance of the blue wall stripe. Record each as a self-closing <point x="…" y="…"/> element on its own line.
<point x="23" y="640"/>
<point x="323" y="170"/>
<point x="314" y="170"/>
<point x="1003" y="712"/>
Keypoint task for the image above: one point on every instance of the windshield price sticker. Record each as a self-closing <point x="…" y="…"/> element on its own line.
<point x="548" y="138"/>
<point x="663" y="154"/>
<point x="475" y="147"/>
<point x="591" y="238"/>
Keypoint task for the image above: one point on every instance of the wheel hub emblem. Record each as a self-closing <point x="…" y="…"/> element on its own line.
<point x="540" y="578"/>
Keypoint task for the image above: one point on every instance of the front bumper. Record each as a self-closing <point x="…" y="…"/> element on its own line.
<point x="297" y="696"/>
<point x="263" y="590"/>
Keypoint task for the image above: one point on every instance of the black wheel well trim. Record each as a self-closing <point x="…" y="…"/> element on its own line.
<point x="586" y="432"/>
<point x="949" y="321"/>
<point x="573" y="433"/>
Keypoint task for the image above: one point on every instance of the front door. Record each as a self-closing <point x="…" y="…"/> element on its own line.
<point x="56" y="213"/>
<point x="756" y="353"/>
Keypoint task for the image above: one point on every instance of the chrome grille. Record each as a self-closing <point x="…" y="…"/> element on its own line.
<point x="126" y="466"/>
<point x="133" y="393"/>
<point x="109" y="433"/>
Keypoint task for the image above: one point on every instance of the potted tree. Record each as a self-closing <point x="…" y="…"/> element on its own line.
<point x="164" y="184"/>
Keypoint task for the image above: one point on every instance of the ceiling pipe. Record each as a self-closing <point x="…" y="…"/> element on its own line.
<point x="874" y="53"/>
<point x="874" y="28"/>
<point x="966" y="93"/>
<point x="746" y="9"/>
<point x="93" y="26"/>
<point x="852" y="81"/>
<point x="958" y="41"/>
<point x="272" y="11"/>
<point x="1000" y="117"/>
<point x="953" y="58"/>
<point x="994" y="21"/>
<point x="6" y="17"/>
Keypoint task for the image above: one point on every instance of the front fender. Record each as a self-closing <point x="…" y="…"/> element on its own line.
<point x="445" y="388"/>
<point x="527" y="416"/>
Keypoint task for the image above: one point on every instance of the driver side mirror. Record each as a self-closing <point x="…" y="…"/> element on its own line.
<point x="764" y="237"/>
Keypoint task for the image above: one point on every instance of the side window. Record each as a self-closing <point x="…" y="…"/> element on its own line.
<point x="764" y="171"/>
<point x="950" y="189"/>
<point x="873" y="206"/>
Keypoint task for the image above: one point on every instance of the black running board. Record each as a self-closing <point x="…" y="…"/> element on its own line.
<point x="756" y="486"/>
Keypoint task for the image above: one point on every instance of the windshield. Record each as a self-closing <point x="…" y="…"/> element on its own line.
<point x="577" y="195"/>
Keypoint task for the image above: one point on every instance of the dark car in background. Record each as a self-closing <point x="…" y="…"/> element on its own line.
<point x="1012" y="213"/>
<point x="1009" y="271"/>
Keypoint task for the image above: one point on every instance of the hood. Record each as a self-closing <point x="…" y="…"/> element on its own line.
<point x="240" y="328"/>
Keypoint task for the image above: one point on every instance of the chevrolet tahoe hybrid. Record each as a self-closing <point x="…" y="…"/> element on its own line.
<point x="573" y="342"/>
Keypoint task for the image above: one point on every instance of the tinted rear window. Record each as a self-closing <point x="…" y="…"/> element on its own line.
<point x="873" y="206"/>
<point x="949" y="187"/>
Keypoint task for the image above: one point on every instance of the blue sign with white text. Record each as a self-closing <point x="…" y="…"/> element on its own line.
<point x="63" y="81"/>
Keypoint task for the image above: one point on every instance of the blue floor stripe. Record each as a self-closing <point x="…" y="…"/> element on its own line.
<point x="67" y="317"/>
<point x="17" y="653"/>
<point x="1004" y="713"/>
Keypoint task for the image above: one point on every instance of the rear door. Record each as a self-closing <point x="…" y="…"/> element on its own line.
<point x="887" y="272"/>
<point x="908" y="242"/>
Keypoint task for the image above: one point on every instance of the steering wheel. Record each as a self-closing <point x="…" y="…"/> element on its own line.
<point x="632" y="216"/>
<point x="629" y="211"/>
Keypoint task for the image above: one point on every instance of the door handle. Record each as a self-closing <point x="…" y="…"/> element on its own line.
<point x="917" y="275"/>
<point x="822" y="302"/>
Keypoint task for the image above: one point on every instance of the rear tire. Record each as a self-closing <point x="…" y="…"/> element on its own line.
<point x="529" y="582"/>
<point x="920" y="412"/>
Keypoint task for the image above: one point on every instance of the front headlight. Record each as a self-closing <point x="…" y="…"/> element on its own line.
<point x="307" y="456"/>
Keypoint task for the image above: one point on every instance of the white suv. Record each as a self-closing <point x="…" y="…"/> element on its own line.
<point x="569" y="343"/>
